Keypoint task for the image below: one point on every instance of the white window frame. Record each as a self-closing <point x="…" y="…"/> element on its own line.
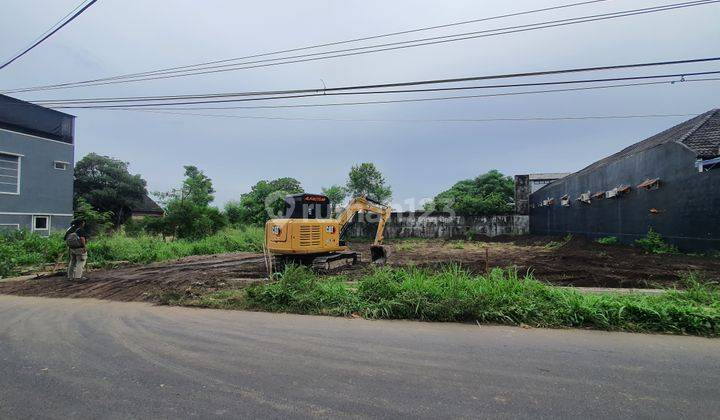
<point x="47" y="225"/>
<point x="63" y="163"/>
<point x="19" y="172"/>
<point x="17" y="225"/>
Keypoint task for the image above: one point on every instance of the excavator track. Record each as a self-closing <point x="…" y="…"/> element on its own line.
<point x="335" y="260"/>
<point x="322" y="263"/>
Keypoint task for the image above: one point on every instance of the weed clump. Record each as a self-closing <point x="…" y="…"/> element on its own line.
<point x="559" y="244"/>
<point x="607" y="240"/>
<point x="653" y="243"/>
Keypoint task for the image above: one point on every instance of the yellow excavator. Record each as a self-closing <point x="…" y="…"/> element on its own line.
<point x="308" y="234"/>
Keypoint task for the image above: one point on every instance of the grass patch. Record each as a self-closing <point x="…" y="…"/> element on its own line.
<point x="501" y="297"/>
<point x="19" y="250"/>
<point x="559" y="244"/>
<point x="607" y="240"/>
<point x="409" y="244"/>
<point x="653" y="243"/>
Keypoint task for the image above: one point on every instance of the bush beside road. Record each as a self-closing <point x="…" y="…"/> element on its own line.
<point x="454" y="295"/>
<point x="22" y="251"/>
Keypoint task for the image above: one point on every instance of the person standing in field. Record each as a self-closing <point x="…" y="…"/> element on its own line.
<point x="76" y="240"/>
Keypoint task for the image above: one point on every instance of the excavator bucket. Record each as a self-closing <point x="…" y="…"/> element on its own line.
<point x="378" y="254"/>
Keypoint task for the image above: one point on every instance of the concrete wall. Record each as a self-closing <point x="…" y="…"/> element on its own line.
<point x="685" y="209"/>
<point x="44" y="190"/>
<point x="522" y="194"/>
<point x="441" y="225"/>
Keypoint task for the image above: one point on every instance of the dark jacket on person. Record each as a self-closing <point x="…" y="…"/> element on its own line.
<point x="79" y="231"/>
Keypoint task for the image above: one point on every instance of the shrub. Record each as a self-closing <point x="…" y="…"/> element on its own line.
<point x="653" y="243"/>
<point x="607" y="240"/>
<point x="298" y="290"/>
<point x="24" y="249"/>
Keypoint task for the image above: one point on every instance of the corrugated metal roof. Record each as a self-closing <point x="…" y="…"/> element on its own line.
<point x="700" y="134"/>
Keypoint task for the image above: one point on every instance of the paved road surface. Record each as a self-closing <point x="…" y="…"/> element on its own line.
<point x="62" y="358"/>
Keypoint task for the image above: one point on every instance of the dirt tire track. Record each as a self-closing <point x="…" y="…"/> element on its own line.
<point x="144" y="282"/>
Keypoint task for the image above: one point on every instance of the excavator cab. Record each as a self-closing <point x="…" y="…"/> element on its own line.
<point x="307" y="206"/>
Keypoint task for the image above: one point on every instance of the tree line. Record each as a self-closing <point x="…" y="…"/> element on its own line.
<point x="106" y="193"/>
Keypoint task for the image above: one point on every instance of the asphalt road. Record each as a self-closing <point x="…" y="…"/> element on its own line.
<point x="62" y="358"/>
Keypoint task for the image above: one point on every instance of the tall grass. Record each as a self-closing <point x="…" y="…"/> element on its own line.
<point x="501" y="297"/>
<point x="145" y="249"/>
<point x="20" y="250"/>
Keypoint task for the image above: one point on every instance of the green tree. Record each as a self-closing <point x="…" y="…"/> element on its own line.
<point x="107" y="185"/>
<point x="365" y="179"/>
<point x="336" y="194"/>
<point x="489" y="193"/>
<point x="96" y="222"/>
<point x="264" y="196"/>
<point x="234" y="212"/>
<point x="197" y="187"/>
<point x="188" y="213"/>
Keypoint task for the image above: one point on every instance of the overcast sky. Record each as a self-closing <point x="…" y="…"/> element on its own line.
<point x="419" y="159"/>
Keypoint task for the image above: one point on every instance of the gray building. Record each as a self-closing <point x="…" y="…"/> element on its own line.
<point x="528" y="184"/>
<point x="36" y="167"/>
<point x="669" y="182"/>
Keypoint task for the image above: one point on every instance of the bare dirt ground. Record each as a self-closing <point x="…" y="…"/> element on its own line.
<point x="144" y="282"/>
<point x="576" y="263"/>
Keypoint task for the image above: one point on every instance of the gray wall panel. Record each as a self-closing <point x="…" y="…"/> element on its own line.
<point x="43" y="189"/>
<point x="687" y="203"/>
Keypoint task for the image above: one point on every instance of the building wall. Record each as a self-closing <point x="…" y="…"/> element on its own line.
<point x="44" y="190"/>
<point x="522" y="194"/>
<point x="528" y="184"/>
<point x="685" y="209"/>
<point x="440" y="225"/>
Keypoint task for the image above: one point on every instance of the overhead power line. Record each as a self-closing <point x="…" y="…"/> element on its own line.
<point x="159" y="106"/>
<point x="443" y="89"/>
<point x="369" y="49"/>
<point x="446" y="38"/>
<point x="417" y="120"/>
<point x="295" y="93"/>
<point x="47" y="34"/>
<point x="309" y="47"/>
<point x="348" y="41"/>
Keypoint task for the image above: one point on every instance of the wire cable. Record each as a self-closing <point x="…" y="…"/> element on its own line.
<point x="419" y="120"/>
<point x="553" y="83"/>
<point x="390" y="46"/>
<point x="366" y="38"/>
<point x="56" y="24"/>
<point x="492" y="32"/>
<point x="328" y="44"/>
<point x="387" y="101"/>
<point x="327" y="91"/>
<point x="48" y="34"/>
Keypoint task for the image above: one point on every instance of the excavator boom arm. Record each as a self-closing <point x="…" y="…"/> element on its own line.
<point x="359" y="204"/>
